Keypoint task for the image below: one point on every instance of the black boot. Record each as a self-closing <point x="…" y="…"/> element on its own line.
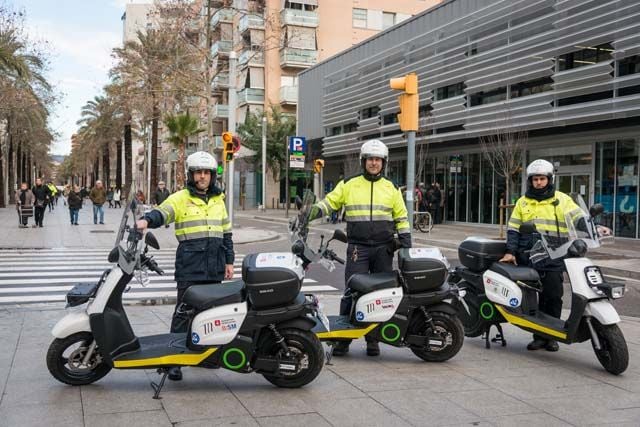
<point x="341" y="348"/>
<point x="373" y="349"/>
<point x="537" y="344"/>
<point x="552" y="345"/>
<point x="175" y="374"/>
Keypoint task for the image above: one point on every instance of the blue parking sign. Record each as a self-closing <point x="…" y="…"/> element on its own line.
<point x="297" y="144"/>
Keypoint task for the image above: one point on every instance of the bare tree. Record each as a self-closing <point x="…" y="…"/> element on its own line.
<point x="504" y="149"/>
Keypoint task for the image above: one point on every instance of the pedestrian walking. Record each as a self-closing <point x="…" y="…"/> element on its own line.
<point x="374" y="211"/>
<point x="42" y="195"/>
<point x="205" y="252"/>
<point x="75" y="204"/>
<point x="25" y="200"/>
<point x="98" y="196"/>
<point x="116" y="197"/>
<point x="53" y="191"/>
<point x="110" y="197"/>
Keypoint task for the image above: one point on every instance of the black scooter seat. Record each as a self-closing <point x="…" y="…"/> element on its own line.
<point x="365" y="283"/>
<point x="514" y="272"/>
<point x="204" y="297"/>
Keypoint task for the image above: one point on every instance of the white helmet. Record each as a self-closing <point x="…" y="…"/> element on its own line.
<point x="201" y="160"/>
<point x="374" y="148"/>
<point x="540" y="167"/>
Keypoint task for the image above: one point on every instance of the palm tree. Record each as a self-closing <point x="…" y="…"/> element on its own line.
<point x="181" y="127"/>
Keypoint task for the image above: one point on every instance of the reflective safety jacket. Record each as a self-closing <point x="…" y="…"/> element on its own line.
<point x="203" y="229"/>
<point x="52" y="189"/>
<point x="549" y="218"/>
<point x="374" y="210"/>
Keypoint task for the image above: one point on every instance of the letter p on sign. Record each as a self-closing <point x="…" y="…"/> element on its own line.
<point x="297" y="144"/>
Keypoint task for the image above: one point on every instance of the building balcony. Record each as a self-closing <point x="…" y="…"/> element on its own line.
<point x="297" y="58"/>
<point x="222" y="15"/>
<point x="221" y="47"/>
<point x="251" y="57"/>
<point x="289" y="95"/>
<point x="250" y="22"/>
<point x="220" y="112"/>
<point x="251" y="96"/>
<point x="301" y="18"/>
<point x="221" y="81"/>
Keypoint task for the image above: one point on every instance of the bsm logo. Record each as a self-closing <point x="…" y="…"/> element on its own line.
<point x="378" y="302"/>
<point x="217" y="322"/>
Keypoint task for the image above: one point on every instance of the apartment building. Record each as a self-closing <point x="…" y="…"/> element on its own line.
<point x="274" y="41"/>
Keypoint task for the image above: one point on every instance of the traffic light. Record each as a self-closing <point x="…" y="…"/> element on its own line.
<point x="220" y="170"/>
<point x="318" y="164"/>
<point x="227" y="147"/>
<point x="408" y="116"/>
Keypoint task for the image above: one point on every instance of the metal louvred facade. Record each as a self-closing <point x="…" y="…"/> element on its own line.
<point x="491" y="48"/>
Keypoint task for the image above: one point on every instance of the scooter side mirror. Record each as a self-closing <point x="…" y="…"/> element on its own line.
<point x="151" y="240"/>
<point x="339" y="236"/>
<point x="596" y="210"/>
<point x="528" y="228"/>
<point x="113" y="255"/>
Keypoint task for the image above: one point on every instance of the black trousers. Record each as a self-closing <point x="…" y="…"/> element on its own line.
<point x="39" y="214"/>
<point x="180" y="320"/>
<point x="550" y="299"/>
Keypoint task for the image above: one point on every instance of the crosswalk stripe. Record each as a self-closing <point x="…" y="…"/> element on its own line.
<point x="81" y="266"/>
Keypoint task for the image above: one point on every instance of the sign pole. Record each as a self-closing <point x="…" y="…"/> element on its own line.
<point x="286" y="179"/>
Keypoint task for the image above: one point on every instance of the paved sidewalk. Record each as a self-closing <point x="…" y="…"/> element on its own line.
<point x="58" y="232"/>
<point x="619" y="258"/>
<point x="500" y="386"/>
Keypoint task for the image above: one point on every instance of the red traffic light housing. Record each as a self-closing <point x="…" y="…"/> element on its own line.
<point x="228" y="147"/>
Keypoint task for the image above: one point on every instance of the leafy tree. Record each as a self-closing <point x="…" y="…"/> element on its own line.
<point x="181" y="127"/>
<point x="279" y="127"/>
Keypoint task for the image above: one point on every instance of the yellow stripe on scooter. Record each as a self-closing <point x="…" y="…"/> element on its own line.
<point x="172" y="359"/>
<point x="519" y="321"/>
<point x="347" y="333"/>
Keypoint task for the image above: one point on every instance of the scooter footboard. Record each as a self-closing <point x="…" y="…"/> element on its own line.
<point x="603" y="311"/>
<point x="74" y="322"/>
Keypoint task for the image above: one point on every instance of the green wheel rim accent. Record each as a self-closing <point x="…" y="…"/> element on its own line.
<point x="393" y="326"/>
<point x="489" y="306"/>
<point x="234" y="350"/>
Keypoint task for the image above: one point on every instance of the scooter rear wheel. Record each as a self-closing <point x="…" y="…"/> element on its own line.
<point x="474" y="324"/>
<point x="446" y="326"/>
<point x="306" y="347"/>
<point x="613" y="354"/>
<point x="65" y="360"/>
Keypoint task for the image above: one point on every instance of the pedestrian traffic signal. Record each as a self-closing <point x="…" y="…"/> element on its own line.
<point x="227" y="146"/>
<point x="408" y="116"/>
<point x="220" y="170"/>
<point x="318" y="164"/>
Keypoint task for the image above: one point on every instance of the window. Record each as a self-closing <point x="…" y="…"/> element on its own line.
<point x="336" y="130"/>
<point x="359" y="18"/>
<point x="483" y="98"/>
<point x="450" y="91"/>
<point x="389" y="119"/>
<point x="388" y="20"/>
<point x="630" y="65"/>
<point x="531" y="87"/>
<point x="367" y="113"/>
<point x="587" y="55"/>
<point x="448" y="129"/>
<point x="585" y="98"/>
<point x="424" y="110"/>
<point x="350" y="127"/>
<point x="375" y="135"/>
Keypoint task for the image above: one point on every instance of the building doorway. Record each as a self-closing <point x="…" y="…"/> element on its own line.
<point x="578" y="183"/>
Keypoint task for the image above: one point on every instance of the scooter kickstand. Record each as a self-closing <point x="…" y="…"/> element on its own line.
<point x="329" y="354"/>
<point x="157" y="388"/>
<point x="499" y="336"/>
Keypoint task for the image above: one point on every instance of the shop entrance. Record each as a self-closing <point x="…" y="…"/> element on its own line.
<point x="579" y="183"/>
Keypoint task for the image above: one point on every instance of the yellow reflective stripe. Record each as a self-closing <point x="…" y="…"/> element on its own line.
<point x="382" y="208"/>
<point x="360" y="218"/>
<point x="403" y="219"/>
<point x="514" y="221"/>
<point x="200" y="223"/>
<point x="167" y="212"/>
<point x="324" y="207"/>
<point x="403" y="230"/>
<point x="171" y="359"/>
<point x="347" y="333"/>
<point x="199" y="235"/>
<point x="519" y="321"/>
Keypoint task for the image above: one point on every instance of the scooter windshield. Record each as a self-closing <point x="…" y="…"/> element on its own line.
<point x="579" y="226"/>
<point x="132" y="210"/>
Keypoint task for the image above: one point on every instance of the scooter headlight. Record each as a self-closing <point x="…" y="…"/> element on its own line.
<point x="617" y="292"/>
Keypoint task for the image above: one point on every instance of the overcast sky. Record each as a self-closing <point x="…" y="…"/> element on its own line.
<point x="82" y="34"/>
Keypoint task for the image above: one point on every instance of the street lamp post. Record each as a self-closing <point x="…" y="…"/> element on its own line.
<point x="233" y="101"/>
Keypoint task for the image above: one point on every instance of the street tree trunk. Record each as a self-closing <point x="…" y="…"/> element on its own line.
<point x="119" y="163"/>
<point x="128" y="159"/>
<point x="106" y="166"/>
<point x="154" y="146"/>
<point x="180" y="166"/>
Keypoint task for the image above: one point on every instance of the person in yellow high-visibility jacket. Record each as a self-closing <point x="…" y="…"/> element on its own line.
<point x="203" y="228"/>
<point x="547" y="208"/>
<point x="374" y="212"/>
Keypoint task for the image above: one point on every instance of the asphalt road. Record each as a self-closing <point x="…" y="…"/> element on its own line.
<point x="627" y="306"/>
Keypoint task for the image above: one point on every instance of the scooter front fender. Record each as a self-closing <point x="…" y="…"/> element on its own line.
<point x="74" y="322"/>
<point x="603" y="311"/>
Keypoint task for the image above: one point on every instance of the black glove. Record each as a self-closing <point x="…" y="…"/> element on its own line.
<point x="405" y="240"/>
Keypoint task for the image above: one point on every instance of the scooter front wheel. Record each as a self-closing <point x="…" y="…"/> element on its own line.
<point x="613" y="354"/>
<point x="302" y="345"/>
<point x="444" y="328"/>
<point x="65" y="360"/>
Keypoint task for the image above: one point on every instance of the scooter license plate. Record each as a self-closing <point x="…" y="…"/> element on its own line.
<point x="323" y="317"/>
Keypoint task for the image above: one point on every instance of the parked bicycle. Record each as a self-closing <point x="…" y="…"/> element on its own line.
<point x="422" y="221"/>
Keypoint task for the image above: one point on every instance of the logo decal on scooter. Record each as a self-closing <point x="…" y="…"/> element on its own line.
<point x="378" y="302"/>
<point x="195" y="338"/>
<point x="359" y="316"/>
<point x="513" y="302"/>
